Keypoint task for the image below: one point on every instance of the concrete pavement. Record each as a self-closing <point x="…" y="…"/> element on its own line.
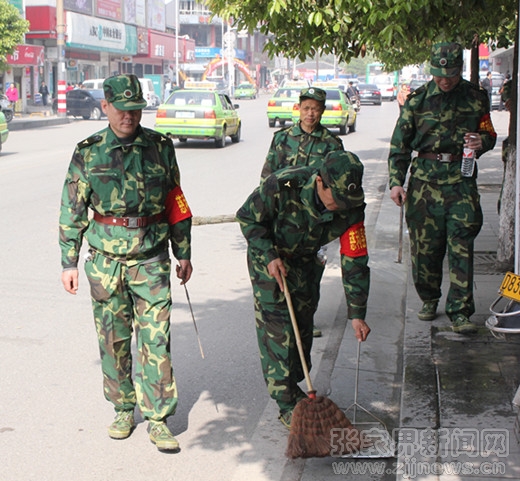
<point x="446" y="398"/>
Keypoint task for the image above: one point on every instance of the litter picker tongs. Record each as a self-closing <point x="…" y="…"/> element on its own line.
<point x="376" y="440"/>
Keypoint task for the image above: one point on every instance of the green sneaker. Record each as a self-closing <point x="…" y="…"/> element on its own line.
<point x="463" y="325"/>
<point x="286" y="418"/>
<point x="161" y="436"/>
<point x="316" y="332"/>
<point x="428" y="311"/>
<point x="122" y="425"/>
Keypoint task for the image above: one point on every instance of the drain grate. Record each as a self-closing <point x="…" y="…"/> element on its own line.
<point x="485" y="264"/>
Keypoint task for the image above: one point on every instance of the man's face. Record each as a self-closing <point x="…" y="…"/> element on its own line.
<point x="447" y="83"/>
<point x="122" y="122"/>
<point x="310" y="114"/>
<point x="325" y="195"/>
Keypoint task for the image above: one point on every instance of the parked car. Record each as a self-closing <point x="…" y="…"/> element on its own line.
<point x="146" y="86"/>
<point x="280" y="105"/>
<point x="199" y="113"/>
<point x="4" y="130"/>
<point x="385" y="83"/>
<point x="339" y="112"/>
<point x="83" y="103"/>
<point x="245" y="91"/>
<point x="369" y="94"/>
<point x="415" y="84"/>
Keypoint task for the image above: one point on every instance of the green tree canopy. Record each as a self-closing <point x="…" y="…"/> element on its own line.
<point x="397" y="32"/>
<point x="12" y="29"/>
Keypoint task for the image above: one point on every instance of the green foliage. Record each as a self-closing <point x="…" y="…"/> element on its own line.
<point x="12" y="29"/>
<point x="397" y="32"/>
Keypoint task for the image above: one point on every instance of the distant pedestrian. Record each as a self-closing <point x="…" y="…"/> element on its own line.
<point x="487" y="85"/>
<point x="44" y="92"/>
<point x="12" y="93"/>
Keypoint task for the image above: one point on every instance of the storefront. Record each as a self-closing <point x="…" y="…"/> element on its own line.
<point x="25" y="68"/>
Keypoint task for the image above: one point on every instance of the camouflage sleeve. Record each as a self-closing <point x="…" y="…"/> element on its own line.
<point x="73" y="212"/>
<point x="400" y="147"/>
<point x="356" y="275"/>
<point x="256" y="219"/>
<point x="180" y="232"/>
<point x="487" y="133"/>
<point x="356" y="282"/>
<point x="271" y="162"/>
<point x="180" y="238"/>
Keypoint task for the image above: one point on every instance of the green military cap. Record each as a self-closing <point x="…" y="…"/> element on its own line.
<point x="343" y="173"/>
<point x="446" y="59"/>
<point x="124" y="92"/>
<point x="313" y="93"/>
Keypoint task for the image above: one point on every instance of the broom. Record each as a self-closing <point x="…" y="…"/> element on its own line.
<point x="318" y="427"/>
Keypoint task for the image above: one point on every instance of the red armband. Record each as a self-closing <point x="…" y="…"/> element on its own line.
<point x="486" y="125"/>
<point x="353" y="242"/>
<point x="176" y="206"/>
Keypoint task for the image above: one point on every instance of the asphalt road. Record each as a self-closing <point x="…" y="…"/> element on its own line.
<point x="53" y="415"/>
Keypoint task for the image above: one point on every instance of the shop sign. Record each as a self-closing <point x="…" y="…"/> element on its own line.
<point x="98" y="34"/>
<point x="27" y="55"/>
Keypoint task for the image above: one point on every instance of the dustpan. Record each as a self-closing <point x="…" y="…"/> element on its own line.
<point x="376" y="440"/>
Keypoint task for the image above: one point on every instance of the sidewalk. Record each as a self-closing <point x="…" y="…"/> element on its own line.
<point x="35" y="120"/>
<point x="445" y="397"/>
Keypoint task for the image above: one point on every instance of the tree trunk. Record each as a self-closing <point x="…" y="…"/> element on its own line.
<point x="506" y="227"/>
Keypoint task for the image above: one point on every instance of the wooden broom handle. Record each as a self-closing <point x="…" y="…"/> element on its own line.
<point x="312" y="392"/>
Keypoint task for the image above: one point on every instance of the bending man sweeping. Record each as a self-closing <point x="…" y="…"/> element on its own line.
<point x="286" y="220"/>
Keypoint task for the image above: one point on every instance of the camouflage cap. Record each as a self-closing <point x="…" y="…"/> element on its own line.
<point x="313" y="93"/>
<point x="343" y="173"/>
<point x="446" y="59"/>
<point x="124" y="92"/>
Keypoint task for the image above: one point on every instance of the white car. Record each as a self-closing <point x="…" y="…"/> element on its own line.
<point x="385" y="83"/>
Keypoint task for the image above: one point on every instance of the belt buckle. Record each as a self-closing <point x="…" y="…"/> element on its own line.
<point x="445" y="157"/>
<point x="132" y="222"/>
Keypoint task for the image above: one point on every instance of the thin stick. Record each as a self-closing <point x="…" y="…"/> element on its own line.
<point x="194" y="323"/>
<point x="298" y="338"/>
<point x="400" y="251"/>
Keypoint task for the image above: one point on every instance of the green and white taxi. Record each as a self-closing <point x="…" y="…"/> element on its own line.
<point x="280" y="105"/>
<point x="245" y="91"/>
<point x="198" y="111"/>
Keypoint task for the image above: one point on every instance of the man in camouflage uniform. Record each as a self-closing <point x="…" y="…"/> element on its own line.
<point x="305" y="143"/>
<point x="442" y="206"/>
<point x="128" y="176"/>
<point x="285" y="221"/>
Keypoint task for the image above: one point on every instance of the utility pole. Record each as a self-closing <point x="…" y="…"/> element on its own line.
<point x="60" y="33"/>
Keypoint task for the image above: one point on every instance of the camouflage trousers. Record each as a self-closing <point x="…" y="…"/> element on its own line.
<point x="279" y="357"/>
<point x="444" y="218"/>
<point x="127" y="298"/>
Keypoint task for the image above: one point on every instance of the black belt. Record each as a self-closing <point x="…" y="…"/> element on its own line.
<point x="130" y="222"/>
<point x="440" y="157"/>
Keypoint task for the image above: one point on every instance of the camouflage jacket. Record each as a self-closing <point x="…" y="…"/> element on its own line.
<point x="281" y="219"/>
<point x="121" y="181"/>
<point x="293" y="146"/>
<point x="435" y="121"/>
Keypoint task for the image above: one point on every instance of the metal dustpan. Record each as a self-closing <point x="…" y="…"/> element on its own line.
<point x="504" y="320"/>
<point x="376" y="440"/>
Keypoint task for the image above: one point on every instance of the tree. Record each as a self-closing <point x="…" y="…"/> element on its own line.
<point x="397" y="32"/>
<point x="12" y="30"/>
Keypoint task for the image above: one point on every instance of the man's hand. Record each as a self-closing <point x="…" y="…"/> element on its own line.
<point x="361" y="329"/>
<point x="276" y="269"/>
<point x="184" y="271"/>
<point x="398" y="195"/>
<point x="69" y="279"/>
